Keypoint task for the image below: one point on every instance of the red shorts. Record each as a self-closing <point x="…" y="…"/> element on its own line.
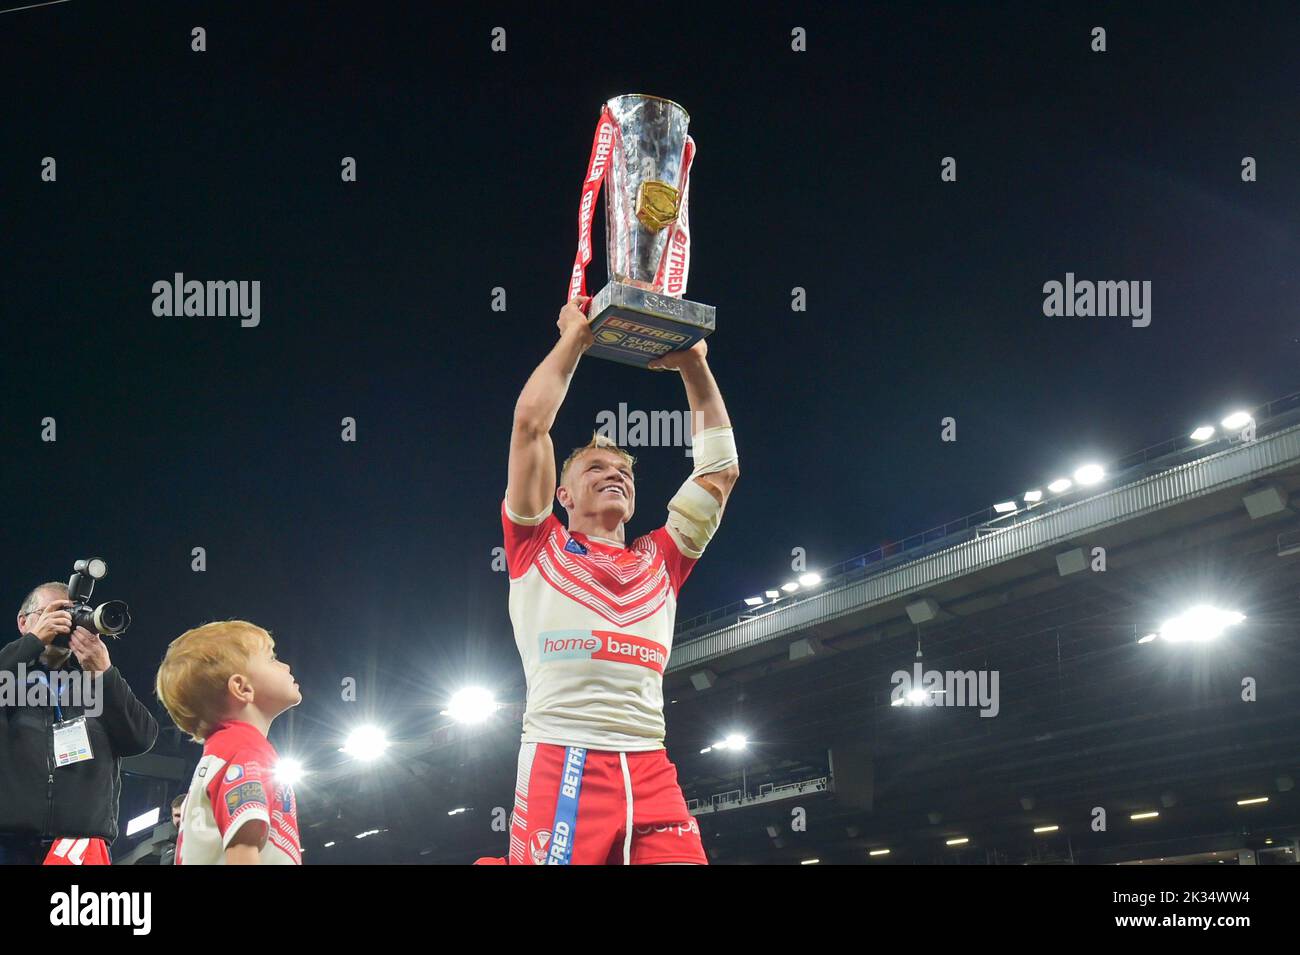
<point x="572" y="807"/>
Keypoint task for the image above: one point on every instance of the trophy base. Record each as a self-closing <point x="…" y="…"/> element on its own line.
<point x="634" y="326"/>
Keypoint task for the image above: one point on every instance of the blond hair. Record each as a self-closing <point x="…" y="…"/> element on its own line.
<point x="192" y="680"/>
<point x="598" y="442"/>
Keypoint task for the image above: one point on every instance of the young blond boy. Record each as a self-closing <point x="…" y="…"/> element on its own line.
<point x="223" y="685"/>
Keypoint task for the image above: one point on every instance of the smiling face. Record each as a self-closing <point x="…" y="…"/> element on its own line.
<point x="599" y="482"/>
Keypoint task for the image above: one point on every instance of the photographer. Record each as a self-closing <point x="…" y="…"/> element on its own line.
<point x="43" y="803"/>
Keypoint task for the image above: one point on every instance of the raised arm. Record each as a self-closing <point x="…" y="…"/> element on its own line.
<point x="531" y="484"/>
<point x="707" y="410"/>
<point x="696" y="509"/>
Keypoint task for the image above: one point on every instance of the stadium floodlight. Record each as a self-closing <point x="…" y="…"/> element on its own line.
<point x="707" y="749"/>
<point x="368" y="832"/>
<point x="918" y="695"/>
<point x="1204" y="433"/>
<point x="1237" y="420"/>
<point x="289" y="771"/>
<point x="1147" y="638"/>
<point x="1006" y="507"/>
<point x="328" y="844"/>
<point x="810" y="579"/>
<point x="366" y="743"/>
<point x="736" y="741"/>
<point x="790" y="587"/>
<point x="772" y="594"/>
<point x="1033" y="497"/>
<point x="457" y="811"/>
<point x="1144" y="815"/>
<point x="879" y="852"/>
<point x="471" y="705"/>
<point x="1199" y="624"/>
<point x="1060" y="485"/>
<point x="1253" y="801"/>
<point x="957" y="842"/>
<point x="143" y="821"/>
<point x="753" y="601"/>
<point x="1089" y="474"/>
<point x="810" y="861"/>
<point x="1040" y="830"/>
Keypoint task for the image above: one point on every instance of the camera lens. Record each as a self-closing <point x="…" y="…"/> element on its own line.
<point x="112" y="617"/>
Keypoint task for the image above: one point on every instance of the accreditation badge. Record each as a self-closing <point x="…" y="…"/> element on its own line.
<point x="71" y="742"/>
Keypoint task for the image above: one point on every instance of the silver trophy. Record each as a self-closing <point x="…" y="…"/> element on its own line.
<point x="643" y="152"/>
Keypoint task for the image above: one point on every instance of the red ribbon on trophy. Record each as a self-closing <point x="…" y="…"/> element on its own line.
<point x="677" y="255"/>
<point x="602" y="149"/>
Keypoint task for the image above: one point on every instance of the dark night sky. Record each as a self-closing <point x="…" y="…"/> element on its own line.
<point x="816" y="169"/>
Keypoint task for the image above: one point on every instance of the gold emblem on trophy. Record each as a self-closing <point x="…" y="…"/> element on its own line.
<point x="656" y="204"/>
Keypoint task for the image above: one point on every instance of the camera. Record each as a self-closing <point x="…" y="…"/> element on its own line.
<point x="109" y="619"/>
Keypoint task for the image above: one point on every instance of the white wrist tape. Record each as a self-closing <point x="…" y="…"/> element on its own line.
<point x="714" y="450"/>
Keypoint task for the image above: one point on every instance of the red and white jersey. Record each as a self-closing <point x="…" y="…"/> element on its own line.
<point x="234" y="783"/>
<point x="593" y="621"/>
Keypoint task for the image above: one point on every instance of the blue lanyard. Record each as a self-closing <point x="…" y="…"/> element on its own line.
<point x="44" y="678"/>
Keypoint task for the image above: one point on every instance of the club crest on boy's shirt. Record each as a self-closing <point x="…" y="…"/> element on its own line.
<point x="249" y="793"/>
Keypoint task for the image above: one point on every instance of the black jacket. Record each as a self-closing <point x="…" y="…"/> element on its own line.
<point x="80" y="799"/>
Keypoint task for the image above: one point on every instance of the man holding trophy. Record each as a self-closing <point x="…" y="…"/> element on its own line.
<point x="593" y="617"/>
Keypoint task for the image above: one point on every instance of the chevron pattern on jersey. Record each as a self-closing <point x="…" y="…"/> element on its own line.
<point x="623" y="588"/>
